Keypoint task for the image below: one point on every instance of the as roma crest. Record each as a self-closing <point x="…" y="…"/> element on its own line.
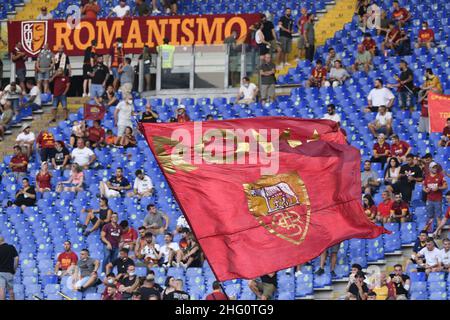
<point x="281" y="204"/>
<point x="33" y="36"/>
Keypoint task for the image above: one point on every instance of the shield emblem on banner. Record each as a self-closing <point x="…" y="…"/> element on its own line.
<point x="33" y="36"/>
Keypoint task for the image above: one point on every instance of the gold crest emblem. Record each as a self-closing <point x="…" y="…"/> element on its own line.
<point x="34" y="36"/>
<point x="281" y="205"/>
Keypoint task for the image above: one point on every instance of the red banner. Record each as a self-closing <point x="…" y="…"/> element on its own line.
<point x="250" y="223"/>
<point x="439" y="111"/>
<point x="135" y="32"/>
<point x="94" y="112"/>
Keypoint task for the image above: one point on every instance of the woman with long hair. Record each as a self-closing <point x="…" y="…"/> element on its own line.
<point x="43" y="178"/>
<point x="392" y="176"/>
<point x="369" y="207"/>
<point x="75" y="182"/>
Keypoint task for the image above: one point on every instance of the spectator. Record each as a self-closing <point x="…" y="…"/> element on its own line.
<point x="432" y="83"/>
<point x="150" y="251"/>
<point x="45" y="144"/>
<point x="310" y="38"/>
<point x="263" y="44"/>
<point x="392" y="37"/>
<point x="112" y="293"/>
<point x="369" y="44"/>
<point x="269" y="34"/>
<point x="43" y="179"/>
<point x="18" y="163"/>
<point x="33" y="97"/>
<point x="90" y="10"/>
<point x="302" y="36"/>
<point x="429" y="257"/>
<point x="363" y="61"/>
<point x="383" y="28"/>
<point x="96" y="135"/>
<point x="434" y="185"/>
<point x="26" y="139"/>
<point x="61" y="157"/>
<point x="445" y="139"/>
<point x="181" y="224"/>
<point x="318" y="75"/>
<point x="67" y="261"/>
<point x="168" y="250"/>
<point x="143" y="186"/>
<point x="110" y="236"/>
<point x="104" y="217"/>
<point x="248" y="92"/>
<point x="75" y="182"/>
<point x="399" y="148"/>
<point x="110" y="97"/>
<point x="44" y="15"/>
<point x="140" y="243"/>
<point x="62" y="61"/>
<point x="333" y="251"/>
<point x="401" y="282"/>
<point x="129" y="236"/>
<point x="136" y="296"/>
<point x="400" y="15"/>
<point x="399" y="210"/>
<point x="445" y="255"/>
<point x="405" y="86"/>
<point x="44" y="64"/>
<point x="126" y="72"/>
<point x="337" y="75"/>
<point x="150" y="287"/>
<point x="25" y="197"/>
<point x="379" y="96"/>
<point x="381" y="150"/>
<point x="147" y="57"/>
<point x="9" y="262"/>
<point x="128" y="140"/>
<point x="121" y="263"/>
<point x="268" y="80"/>
<point x="123" y="114"/>
<point x="331" y="114"/>
<point x="110" y="139"/>
<point x="178" y="293"/>
<point x="13" y="93"/>
<point x="369" y="179"/>
<point x="265" y="286"/>
<point x="155" y="7"/>
<point x="444" y="220"/>
<point x="156" y="221"/>
<point x="362" y="11"/>
<point x="86" y="275"/>
<point x="419" y="244"/>
<point x="370" y="208"/>
<point x="286" y="26"/>
<point x="88" y="62"/>
<point x="141" y="9"/>
<point x="170" y="286"/>
<point x="410" y="173"/>
<point x="384" y="290"/>
<point x="331" y="59"/>
<point x="372" y="296"/>
<point x="425" y="37"/>
<point x="5" y="118"/>
<point x="352" y="277"/>
<point x="99" y="75"/>
<point x="61" y="85"/>
<point x="116" y="186"/>
<point x="19" y="57"/>
<point x="190" y="256"/>
<point x="384" y="207"/>
<point x="392" y="176"/>
<point x="122" y="10"/>
<point x="149" y="115"/>
<point x="382" y="123"/>
<point x="217" y="293"/>
<point x="182" y="116"/>
<point x="82" y="155"/>
<point x="79" y="131"/>
<point x="359" y="288"/>
<point x="117" y="55"/>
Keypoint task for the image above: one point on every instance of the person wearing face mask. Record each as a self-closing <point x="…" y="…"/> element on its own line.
<point x="117" y="55"/>
<point x="248" y="92"/>
<point x="286" y="26"/>
<point x="99" y="75"/>
<point x="425" y="37"/>
<point x="62" y="61"/>
<point x="129" y="283"/>
<point x="123" y="114"/>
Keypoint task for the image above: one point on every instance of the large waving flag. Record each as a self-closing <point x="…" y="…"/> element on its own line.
<point x="256" y="211"/>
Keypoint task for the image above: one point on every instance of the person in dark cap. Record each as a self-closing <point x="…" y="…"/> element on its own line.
<point x="359" y="288"/>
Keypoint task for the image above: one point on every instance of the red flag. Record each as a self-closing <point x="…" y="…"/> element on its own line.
<point x="439" y="111"/>
<point x="94" y="112"/>
<point x="248" y="223"/>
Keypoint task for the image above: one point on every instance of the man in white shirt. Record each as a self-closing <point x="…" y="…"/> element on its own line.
<point x="82" y="155"/>
<point x="26" y="139"/>
<point x="379" y="96"/>
<point x="143" y="186"/>
<point x="122" y="115"/>
<point x="34" y="97"/>
<point x="331" y="114"/>
<point x="44" y="15"/>
<point x="13" y="93"/>
<point x="169" y="249"/>
<point x="181" y="224"/>
<point x="121" y="11"/>
<point x="445" y="255"/>
<point x="247" y="92"/>
<point x="432" y="257"/>
<point x="382" y="122"/>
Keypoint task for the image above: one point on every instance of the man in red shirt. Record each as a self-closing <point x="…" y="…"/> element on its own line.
<point x="318" y="75"/>
<point x="111" y="293"/>
<point x="110" y="236"/>
<point x="217" y="293"/>
<point x="301" y="29"/>
<point x="401" y="15"/>
<point x="66" y="260"/>
<point x="96" y="135"/>
<point x="46" y="145"/>
<point x="19" y="57"/>
<point x="182" y="116"/>
<point x="433" y="185"/>
<point x="384" y="208"/>
<point x="399" y="209"/>
<point x="445" y="139"/>
<point x="61" y="86"/>
<point x="438" y="231"/>
<point x="381" y="150"/>
<point x="399" y="148"/>
<point x="392" y="37"/>
<point x="18" y="163"/>
<point x="369" y="44"/>
<point x="425" y="37"/>
<point x="129" y="236"/>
